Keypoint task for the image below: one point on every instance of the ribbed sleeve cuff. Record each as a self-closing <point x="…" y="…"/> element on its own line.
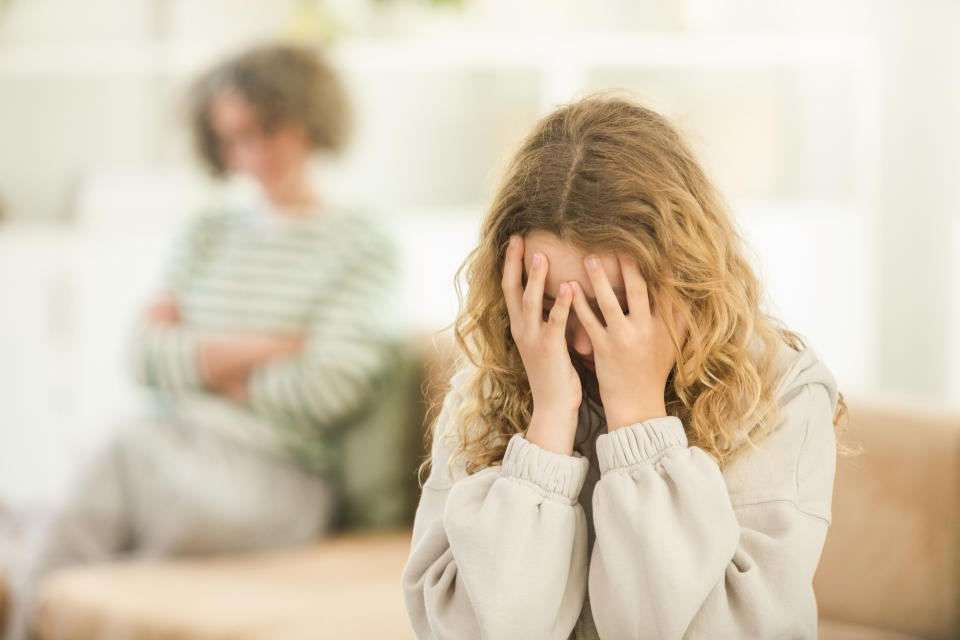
<point x="556" y="474"/>
<point x="640" y="443"/>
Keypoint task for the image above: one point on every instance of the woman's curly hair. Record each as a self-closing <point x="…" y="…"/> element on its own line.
<point x="607" y="174"/>
<point x="285" y="83"/>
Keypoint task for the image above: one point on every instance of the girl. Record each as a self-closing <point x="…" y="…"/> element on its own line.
<point x="630" y="448"/>
<point x="271" y="339"/>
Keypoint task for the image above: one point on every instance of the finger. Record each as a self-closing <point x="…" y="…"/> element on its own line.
<point x="585" y="314"/>
<point x="512" y="274"/>
<point x="557" y="321"/>
<point x="606" y="298"/>
<point x="638" y="299"/>
<point x="533" y="293"/>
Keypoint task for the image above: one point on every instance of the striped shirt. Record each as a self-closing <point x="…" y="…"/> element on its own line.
<point x="333" y="277"/>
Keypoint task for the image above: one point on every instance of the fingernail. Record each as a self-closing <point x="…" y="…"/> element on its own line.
<point x="562" y="291"/>
<point x="513" y="241"/>
<point x="592" y="262"/>
<point x="537" y="259"/>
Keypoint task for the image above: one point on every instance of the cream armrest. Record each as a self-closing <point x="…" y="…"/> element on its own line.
<point x="344" y="587"/>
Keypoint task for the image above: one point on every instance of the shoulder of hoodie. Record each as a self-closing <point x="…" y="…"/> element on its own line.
<point x="800" y="448"/>
<point x="446" y="436"/>
<point x="797" y="369"/>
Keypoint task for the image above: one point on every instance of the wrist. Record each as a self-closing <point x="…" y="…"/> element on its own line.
<point x="553" y="431"/>
<point x="223" y="357"/>
<point x="235" y="389"/>
<point x="620" y="415"/>
<point x="557" y="475"/>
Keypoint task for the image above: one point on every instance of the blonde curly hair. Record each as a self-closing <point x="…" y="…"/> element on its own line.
<point x="607" y="174"/>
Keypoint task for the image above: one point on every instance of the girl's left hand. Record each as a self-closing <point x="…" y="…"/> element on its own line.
<point x="633" y="353"/>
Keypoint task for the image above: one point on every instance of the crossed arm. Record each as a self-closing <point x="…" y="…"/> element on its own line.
<point x="224" y="361"/>
<point x="318" y="377"/>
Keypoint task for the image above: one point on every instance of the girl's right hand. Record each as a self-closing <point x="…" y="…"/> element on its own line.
<point x="554" y="382"/>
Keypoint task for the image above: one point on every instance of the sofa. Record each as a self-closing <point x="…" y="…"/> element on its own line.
<point x="890" y="567"/>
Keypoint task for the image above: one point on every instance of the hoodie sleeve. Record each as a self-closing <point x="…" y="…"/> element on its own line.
<point x="501" y="553"/>
<point x="683" y="551"/>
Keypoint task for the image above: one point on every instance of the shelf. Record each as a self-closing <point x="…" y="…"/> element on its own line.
<point x="472" y="51"/>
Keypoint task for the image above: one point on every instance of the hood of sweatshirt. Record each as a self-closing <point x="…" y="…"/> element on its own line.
<point x="796" y="370"/>
<point x="800" y="369"/>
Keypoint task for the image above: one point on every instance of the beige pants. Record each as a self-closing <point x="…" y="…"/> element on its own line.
<point x="157" y="487"/>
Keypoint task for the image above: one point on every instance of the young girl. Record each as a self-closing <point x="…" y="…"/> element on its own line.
<point x="630" y="448"/>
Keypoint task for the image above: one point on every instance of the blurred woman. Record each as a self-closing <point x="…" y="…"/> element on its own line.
<point x="274" y="332"/>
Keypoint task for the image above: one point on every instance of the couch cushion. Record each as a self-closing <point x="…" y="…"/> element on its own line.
<point x="383" y="450"/>
<point x="3" y="598"/>
<point x="344" y="587"/>
<point x="835" y="630"/>
<point x="892" y="554"/>
<point x="375" y="461"/>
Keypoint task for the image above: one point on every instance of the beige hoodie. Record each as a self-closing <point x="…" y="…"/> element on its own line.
<point x="636" y="535"/>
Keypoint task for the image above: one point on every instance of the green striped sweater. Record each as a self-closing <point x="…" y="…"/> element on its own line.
<point x="333" y="276"/>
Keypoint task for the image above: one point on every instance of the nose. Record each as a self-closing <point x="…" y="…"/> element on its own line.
<point x="578" y="339"/>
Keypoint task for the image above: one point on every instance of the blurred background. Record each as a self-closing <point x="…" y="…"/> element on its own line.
<point x="832" y="128"/>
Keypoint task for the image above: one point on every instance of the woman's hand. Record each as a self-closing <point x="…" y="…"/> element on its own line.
<point x="226" y="360"/>
<point x="554" y="383"/>
<point x="163" y="310"/>
<point x="633" y="352"/>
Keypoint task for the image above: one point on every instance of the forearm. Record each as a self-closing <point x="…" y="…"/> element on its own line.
<point x="673" y="558"/>
<point x="328" y="384"/>
<point x="513" y="538"/>
<point x="665" y="531"/>
<point x="553" y="429"/>
<point x="176" y="357"/>
<point x="226" y="360"/>
<point x="235" y="388"/>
